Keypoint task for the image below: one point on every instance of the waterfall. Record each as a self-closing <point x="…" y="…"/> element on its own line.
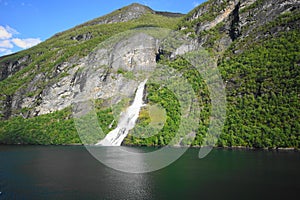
<point x="127" y="120"/>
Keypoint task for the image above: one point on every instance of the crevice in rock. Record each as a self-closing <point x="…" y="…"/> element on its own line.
<point x="72" y="82"/>
<point x="8" y="105"/>
<point x="103" y="77"/>
<point x="235" y="31"/>
<point x="162" y="53"/>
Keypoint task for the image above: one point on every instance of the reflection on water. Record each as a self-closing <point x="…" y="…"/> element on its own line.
<point x="65" y="173"/>
<point x="136" y="160"/>
<point x="120" y="157"/>
<point x="36" y="172"/>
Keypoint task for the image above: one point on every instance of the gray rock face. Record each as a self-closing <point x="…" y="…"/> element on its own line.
<point x="98" y="76"/>
<point x="228" y="15"/>
<point x="11" y="67"/>
<point x="84" y="37"/>
<point x="238" y="21"/>
<point x="223" y="15"/>
<point x="268" y="11"/>
<point x="135" y="54"/>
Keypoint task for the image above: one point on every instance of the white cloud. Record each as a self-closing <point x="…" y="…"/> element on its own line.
<point x="2" y="50"/>
<point x="6" y="44"/>
<point x="26" y="43"/>
<point x="7" y="32"/>
<point x="11" y="30"/>
<point x="4" y="34"/>
<point x="8" y="41"/>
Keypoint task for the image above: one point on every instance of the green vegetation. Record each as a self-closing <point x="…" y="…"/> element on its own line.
<point x="157" y="115"/>
<point x="283" y="20"/>
<point x="256" y="4"/>
<point x="163" y="97"/>
<point x="54" y="128"/>
<point x="263" y="95"/>
<point x="165" y="107"/>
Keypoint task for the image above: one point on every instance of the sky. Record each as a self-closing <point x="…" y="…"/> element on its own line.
<point x="25" y="23"/>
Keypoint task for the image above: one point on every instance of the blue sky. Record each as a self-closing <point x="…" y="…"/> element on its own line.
<point x="25" y="23"/>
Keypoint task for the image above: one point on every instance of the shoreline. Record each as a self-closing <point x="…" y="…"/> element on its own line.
<point x="277" y="149"/>
<point x="260" y="149"/>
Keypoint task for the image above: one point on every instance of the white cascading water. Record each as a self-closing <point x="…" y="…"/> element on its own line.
<point x="127" y="120"/>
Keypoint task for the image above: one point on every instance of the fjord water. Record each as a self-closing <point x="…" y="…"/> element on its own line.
<point x="70" y="172"/>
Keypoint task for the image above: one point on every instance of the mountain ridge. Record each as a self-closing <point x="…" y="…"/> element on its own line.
<point x="127" y="13"/>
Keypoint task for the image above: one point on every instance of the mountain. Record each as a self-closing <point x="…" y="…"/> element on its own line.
<point x="255" y="44"/>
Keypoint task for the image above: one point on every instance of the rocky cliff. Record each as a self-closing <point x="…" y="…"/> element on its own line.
<point x="53" y="78"/>
<point x="222" y="22"/>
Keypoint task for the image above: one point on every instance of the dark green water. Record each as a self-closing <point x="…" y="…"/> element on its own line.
<point x="38" y="172"/>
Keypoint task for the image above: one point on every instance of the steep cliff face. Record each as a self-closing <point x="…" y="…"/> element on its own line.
<point x="216" y="24"/>
<point x="102" y="74"/>
<point x="12" y="66"/>
<point x="54" y="72"/>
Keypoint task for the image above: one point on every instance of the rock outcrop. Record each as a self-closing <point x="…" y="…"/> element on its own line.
<point x="101" y="74"/>
<point x="235" y="19"/>
<point x="10" y="67"/>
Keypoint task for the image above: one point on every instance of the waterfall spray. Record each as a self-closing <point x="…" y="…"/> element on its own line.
<point x="127" y="120"/>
